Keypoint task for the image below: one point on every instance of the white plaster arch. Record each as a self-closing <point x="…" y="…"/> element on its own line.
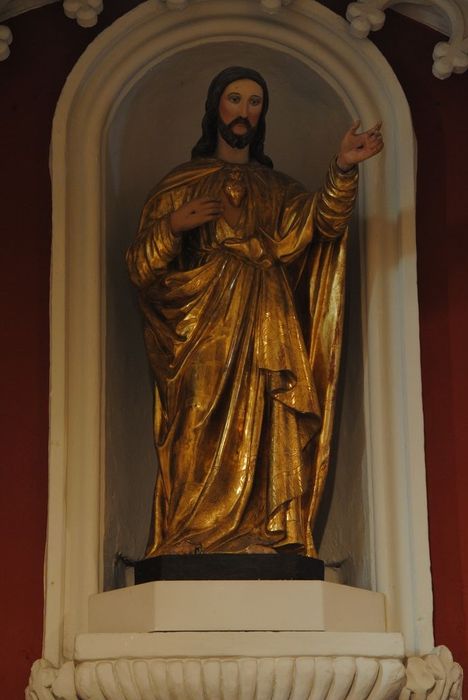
<point x="110" y="67"/>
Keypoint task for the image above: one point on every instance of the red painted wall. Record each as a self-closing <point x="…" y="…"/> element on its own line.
<point x="440" y="116"/>
<point x="46" y="45"/>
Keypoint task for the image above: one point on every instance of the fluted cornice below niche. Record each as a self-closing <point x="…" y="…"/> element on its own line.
<point x="432" y="677"/>
<point x="450" y="17"/>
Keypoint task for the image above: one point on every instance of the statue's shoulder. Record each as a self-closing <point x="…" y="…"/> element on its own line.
<point x="184" y="175"/>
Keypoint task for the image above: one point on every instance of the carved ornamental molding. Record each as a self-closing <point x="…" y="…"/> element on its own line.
<point x="364" y="16"/>
<point x="86" y="13"/>
<point x="6" y="38"/>
<point x="435" y="676"/>
<point x="449" y="56"/>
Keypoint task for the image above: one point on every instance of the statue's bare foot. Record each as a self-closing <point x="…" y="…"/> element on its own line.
<point x="259" y="549"/>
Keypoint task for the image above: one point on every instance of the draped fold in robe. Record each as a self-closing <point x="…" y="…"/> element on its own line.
<point x="243" y="331"/>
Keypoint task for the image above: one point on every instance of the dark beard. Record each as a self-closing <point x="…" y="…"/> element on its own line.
<point x="236" y="140"/>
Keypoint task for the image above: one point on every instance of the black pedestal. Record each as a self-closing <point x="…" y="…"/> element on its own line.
<point x="229" y="567"/>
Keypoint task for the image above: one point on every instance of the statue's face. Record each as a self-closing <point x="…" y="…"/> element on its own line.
<point x="240" y="108"/>
<point x="243" y="98"/>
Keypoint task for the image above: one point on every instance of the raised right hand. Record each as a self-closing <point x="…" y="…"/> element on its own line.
<point x="195" y="213"/>
<point x="355" y="148"/>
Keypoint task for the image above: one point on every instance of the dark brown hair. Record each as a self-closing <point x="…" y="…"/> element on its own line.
<point x="206" y="145"/>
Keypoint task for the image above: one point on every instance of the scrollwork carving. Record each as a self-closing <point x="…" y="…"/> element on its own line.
<point x="436" y="676"/>
<point x="6" y="38"/>
<point x="449" y="57"/>
<point x="40" y="681"/>
<point x="49" y="683"/>
<point x="84" y="11"/>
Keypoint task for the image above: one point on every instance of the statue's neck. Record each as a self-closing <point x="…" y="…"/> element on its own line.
<point x="225" y="152"/>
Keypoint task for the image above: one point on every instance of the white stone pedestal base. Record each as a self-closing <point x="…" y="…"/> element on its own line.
<point x="237" y="605"/>
<point x="307" y="663"/>
<point x="188" y="640"/>
<point x="203" y="645"/>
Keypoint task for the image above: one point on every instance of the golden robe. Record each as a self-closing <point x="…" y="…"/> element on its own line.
<point x="243" y="330"/>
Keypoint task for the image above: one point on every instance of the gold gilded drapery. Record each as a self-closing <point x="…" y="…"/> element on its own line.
<point x="243" y="332"/>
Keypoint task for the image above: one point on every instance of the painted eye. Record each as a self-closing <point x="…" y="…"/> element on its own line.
<point x="235" y="99"/>
<point x="255" y="101"/>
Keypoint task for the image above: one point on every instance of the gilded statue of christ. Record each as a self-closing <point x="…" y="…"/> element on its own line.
<point x="240" y="272"/>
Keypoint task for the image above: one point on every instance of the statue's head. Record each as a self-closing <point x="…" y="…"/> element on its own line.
<point x="221" y="115"/>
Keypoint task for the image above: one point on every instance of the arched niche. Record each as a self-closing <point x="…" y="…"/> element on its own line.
<point x="115" y="133"/>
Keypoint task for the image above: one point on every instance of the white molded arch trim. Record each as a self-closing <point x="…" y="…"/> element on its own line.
<point x="108" y="69"/>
